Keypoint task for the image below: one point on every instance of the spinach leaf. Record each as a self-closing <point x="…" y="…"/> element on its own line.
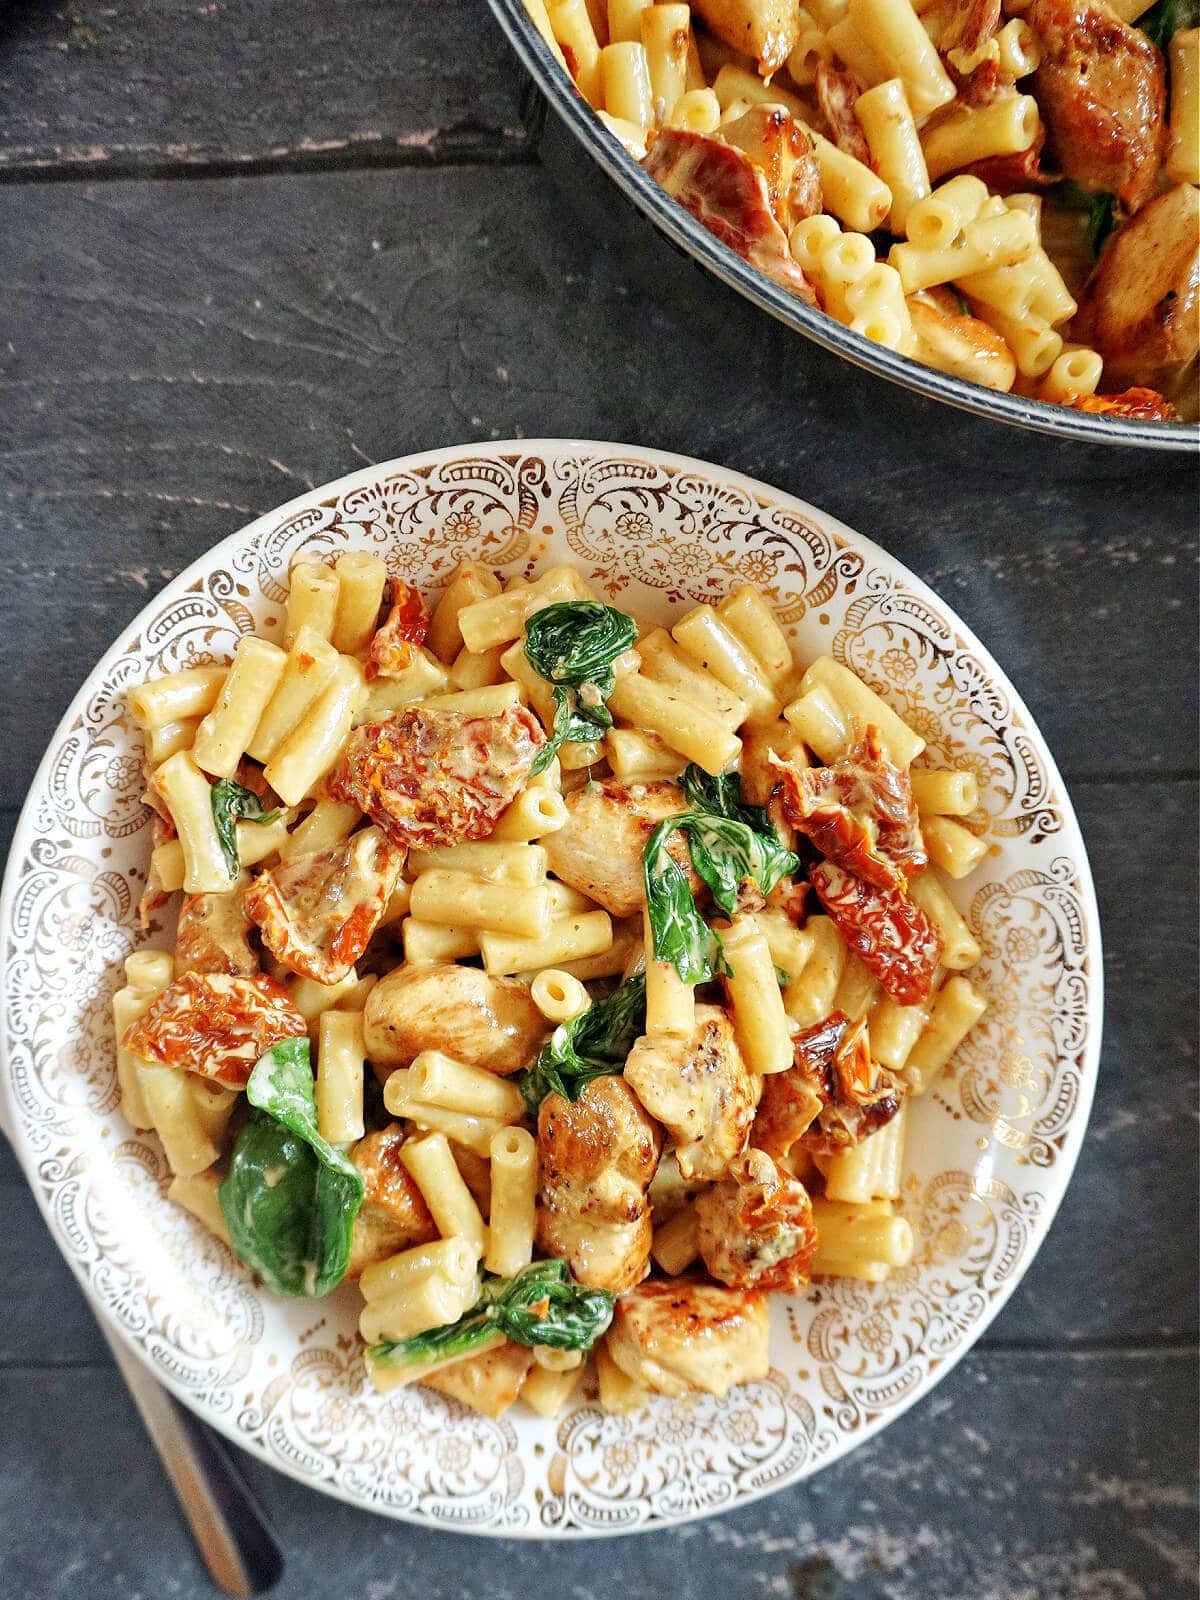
<point x="289" y="1198"/>
<point x="231" y="803"/>
<point x="1163" y="21"/>
<point x="1101" y="208"/>
<point x="731" y="844"/>
<point x="592" y="1045"/>
<point x="540" y="1305"/>
<point x="573" y="646"/>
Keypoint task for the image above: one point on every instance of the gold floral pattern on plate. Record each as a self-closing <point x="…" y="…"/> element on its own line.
<point x="990" y="1149"/>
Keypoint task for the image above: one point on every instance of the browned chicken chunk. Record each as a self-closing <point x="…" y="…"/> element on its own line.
<point x="768" y="30"/>
<point x="756" y="1227"/>
<point x="213" y="935"/>
<point x="1101" y="88"/>
<point x="318" y="912"/>
<point x="596" y="1157"/>
<point x="393" y="1216"/>
<point x="724" y="190"/>
<point x="681" y="1336"/>
<point x="599" y="851"/>
<point x="700" y="1089"/>
<point x="781" y="149"/>
<point x="1141" y="307"/>
<point x="488" y="1383"/>
<point x="484" y="1021"/>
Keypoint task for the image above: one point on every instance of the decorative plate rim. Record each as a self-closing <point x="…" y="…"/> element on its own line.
<point x="763" y="494"/>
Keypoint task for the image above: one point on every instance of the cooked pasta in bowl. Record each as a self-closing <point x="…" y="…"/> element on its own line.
<point x="530" y="959"/>
<point x="1004" y="197"/>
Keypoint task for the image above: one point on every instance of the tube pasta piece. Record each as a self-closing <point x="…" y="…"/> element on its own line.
<point x="177" y="697"/>
<point x="328" y="824"/>
<point x="894" y="1029"/>
<point x="458" y="900"/>
<point x="670" y="1003"/>
<point x="477" y="671"/>
<point x="944" y="794"/>
<point x="572" y="27"/>
<point x="312" y="600"/>
<point x="856" y="990"/>
<point x="637" y="756"/>
<point x="619" y="1394"/>
<point x="164" y="741"/>
<point x="311" y="663"/>
<point x="426" y="942"/>
<point x="465" y="1131"/>
<point x="821" y="723"/>
<point x="968" y="134"/>
<point x="502" y="617"/>
<point x="173" y="1112"/>
<point x="450" y="1202"/>
<point x="145" y="980"/>
<point x="339" y="1085"/>
<point x="471" y="583"/>
<point x="665" y="30"/>
<point x="809" y="997"/>
<point x="360" y="576"/>
<point x="790" y="946"/>
<point x="450" y="1259"/>
<point x="758" y="1012"/>
<point x="393" y="1217"/>
<point x="864" y="1241"/>
<point x="677" y="1242"/>
<point x="956" y="1009"/>
<point x="903" y="47"/>
<point x="697" y="111"/>
<point x="897" y="740"/>
<point x="312" y="747"/>
<point x="487" y="701"/>
<point x="514" y="1188"/>
<point x="546" y="1392"/>
<point x="694" y="733"/>
<point x="664" y="663"/>
<point x="532" y="815"/>
<point x="312" y="999"/>
<point x="712" y="645"/>
<point x="870" y="1170"/>
<point x="960" y="947"/>
<point x="617" y="961"/>
<point x="222" y="737"/>
<point x="625" y="20"/>
<point x="1073" y="373"/>
<point x="891" y="133"/>
<point x="197" y="1192"/>
<point x="491" y="862"/>
<point x="429" y="1301"/>
<point x="937" y="221"/>
<point x="437" y="1079"/>
<point x="952" y="847"/>
<point x="558" y="995"/>
<point x="1183" y="147"/>
<point x="188" y="796"/>
<point x="572" y="937"/>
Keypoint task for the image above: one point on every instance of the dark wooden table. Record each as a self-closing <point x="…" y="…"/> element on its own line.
<point x="248" y="245"/>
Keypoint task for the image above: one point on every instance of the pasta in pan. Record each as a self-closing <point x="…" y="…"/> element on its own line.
<point x="1004" y="191"/>
<point x="596" y="1080"/>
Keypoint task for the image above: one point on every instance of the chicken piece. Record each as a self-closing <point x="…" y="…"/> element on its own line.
<point x="678" y="1336"/>
<point x="963" y="346"/>
<point x="1101" y="89"/>
<point x="860" y="813"/>
<point x="215" y="1025"/>
<point x="723" y="189"/>
<point x="599" y="851"/>
<point x="700" y="1089"/>
<point x="768" y="30"/>
<point x="484" y="1021"/>
<point x="488" y="1383"/>
<point x="393" y="1215"/>
<point x="783" y="152"/>
<point x="394" y="647"/>
<point x="756" y="1227"/>
<point x="889" y="933"/>
<point x="596" y="1158"/>
<point x="833" y="1098"/>
<point x="431" y="777"/>
<point x="318" y="912"/>
<point x="837" y="94"/>
<point x="1141" y="306"/>
<point x="213" y="934"/>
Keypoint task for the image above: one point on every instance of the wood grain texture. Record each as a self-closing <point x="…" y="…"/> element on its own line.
<point x="154" y="398"/>
<point x="164" y="86"/>
<point x="1021" y="1478"/>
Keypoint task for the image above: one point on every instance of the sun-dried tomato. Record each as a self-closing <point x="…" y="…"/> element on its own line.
<point x="891" y="935"/>
<point x="215" y="1024"/>
<point x="1142" y="405"/>
<point x="430" y="777"/>
<point x="395" y="643"/>
<point x="318" y="912"/>
<point x="859" y="813"/>
<point x="834" y="1097"/>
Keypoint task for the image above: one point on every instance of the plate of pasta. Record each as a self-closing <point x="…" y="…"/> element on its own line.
<point x="993" y="202"/>
<point x="551" y="989"/>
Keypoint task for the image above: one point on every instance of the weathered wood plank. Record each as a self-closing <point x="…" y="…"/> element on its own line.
<point x="1052" y="1478"/>
<point x="166" y="85"/>
<point x="1119" y="1262"/>
<point x="154" y="397"/>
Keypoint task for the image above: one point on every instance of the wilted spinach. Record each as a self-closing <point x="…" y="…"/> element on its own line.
<point x="573" y="646"/>
<point x="591" y="1045"/>
<point x="232" y="803"/>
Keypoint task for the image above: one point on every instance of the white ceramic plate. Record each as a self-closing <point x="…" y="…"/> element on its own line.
<point x="991" y="1147"/>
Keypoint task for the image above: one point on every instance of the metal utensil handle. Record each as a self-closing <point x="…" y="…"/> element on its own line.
<point x="233" y="1536"/>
